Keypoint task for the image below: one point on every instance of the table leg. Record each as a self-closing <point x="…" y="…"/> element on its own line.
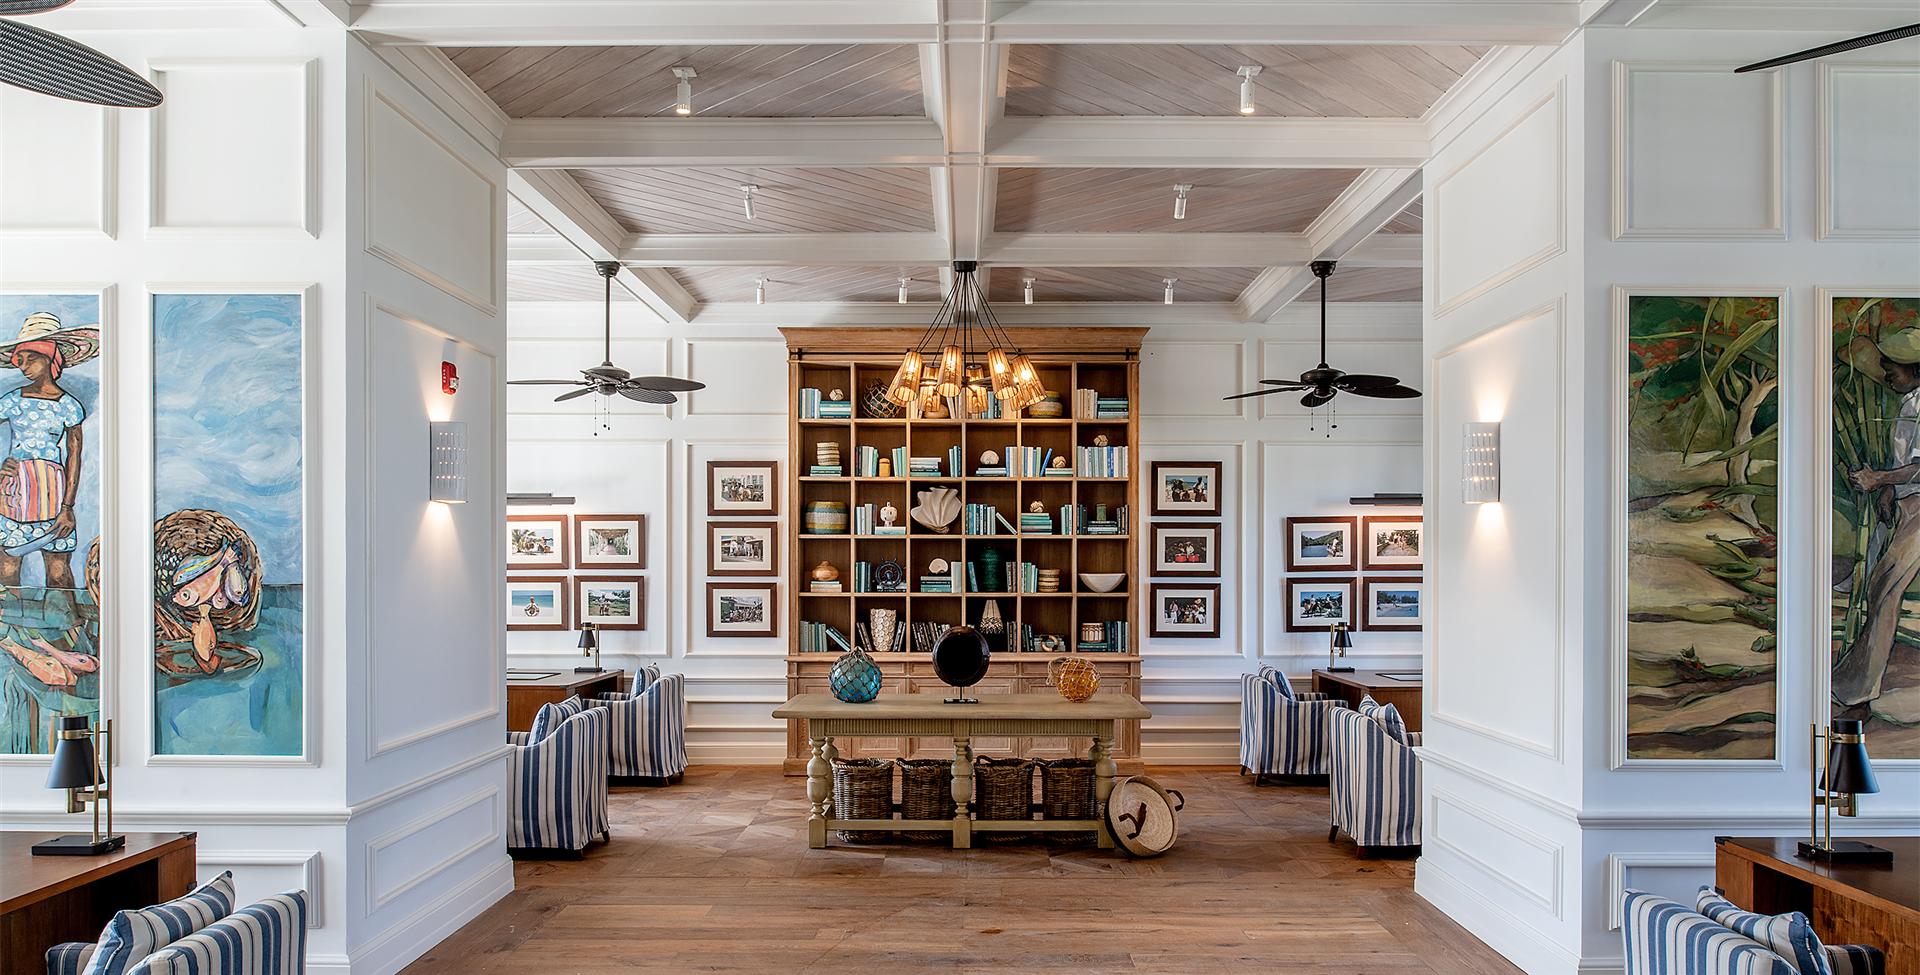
<point x="819" y="793"/>
<point x="1103" y="769"/>
<point x="962" y="793"/>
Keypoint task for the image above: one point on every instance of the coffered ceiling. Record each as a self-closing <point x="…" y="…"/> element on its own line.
<point x="710" y="200"/>
<point x="1138" y="200"/>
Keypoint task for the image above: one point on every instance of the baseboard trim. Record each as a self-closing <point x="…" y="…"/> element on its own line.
<point x="1516" y="940"/>
<point x="398" y="946"/>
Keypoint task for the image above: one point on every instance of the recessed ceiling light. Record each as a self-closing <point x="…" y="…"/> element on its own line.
<point x="683" y="92"/>
<point x="1246" y="73"/>
<point x="1167" y="298"/>
<point x="759" y="291"/>
<point x="1180" y="200"/>
<point x="1026" y="290"/>
<point x="903" y="289"/>
<point x="746" y="198"/>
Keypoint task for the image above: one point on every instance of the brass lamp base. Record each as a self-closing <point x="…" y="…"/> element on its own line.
<point x="1844" y="851"/>
<point x="1339" y="670"/>
<point x="589" y="670"/>
<point x="78" y="845"/>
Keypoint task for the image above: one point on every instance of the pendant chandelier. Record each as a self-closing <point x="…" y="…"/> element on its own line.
<point x="965" y="352"/>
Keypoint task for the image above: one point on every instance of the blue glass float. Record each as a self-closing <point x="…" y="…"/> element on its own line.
<point x="855" y="678"/>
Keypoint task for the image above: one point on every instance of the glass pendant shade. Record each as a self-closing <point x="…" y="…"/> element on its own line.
<point x="952" y="370"/>
<point x="977" y="398"/>
<point x="906" y="380"/>
<point x="1000" y="371"/>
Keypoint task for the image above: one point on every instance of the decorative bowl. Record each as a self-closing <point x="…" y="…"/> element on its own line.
<point x="1102" y="581"/>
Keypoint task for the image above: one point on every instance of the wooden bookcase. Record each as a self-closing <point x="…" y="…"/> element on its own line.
<point x="853" y="359"/>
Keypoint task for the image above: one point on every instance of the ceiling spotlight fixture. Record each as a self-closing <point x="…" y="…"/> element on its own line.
<point x="1247" y="73"/>
<point x="683" y="92"/>
<point x="1180" y="200"/>
<point x="746" y="198"/>
<point x="1026" y="290"/>
<point x="759" y="291"/>
<point x="903" y="289"/>
<point x="1167" y="298"/>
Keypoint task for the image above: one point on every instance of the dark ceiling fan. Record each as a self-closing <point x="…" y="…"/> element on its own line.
<point x="608" y="379"/>
<point x="1837" y="47"/>
<point x="40" y="60"/>
<point x="1323" y="382"/>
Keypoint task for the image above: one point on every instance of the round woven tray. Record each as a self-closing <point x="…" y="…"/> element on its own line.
<point x="926" y="792"/>
<point x="862" y="789"/>
<point x="1003" y="790"/>
<point x="1144" y="817"/>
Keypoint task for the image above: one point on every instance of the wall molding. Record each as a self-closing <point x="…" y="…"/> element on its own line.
<point x="1622" y="177"/>
<point x="1619" y="863"/>
<point x="1556" y="100"/>
<point x="1503" y="931"/>
<point x="308" y="226"/>
<point x="1550" y="901"/>
<point x="372" y="100"/>
<point x="417" y="933"/>
<point x="107" y="227"/>
<point x="1826" y="91"/>
<point x="496" y="754"/>
<point x="307" y="860"/>
<point x="377" y="898"/>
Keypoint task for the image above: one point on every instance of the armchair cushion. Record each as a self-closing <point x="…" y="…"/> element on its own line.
<point x="1663" y="937"/>
<point x="70" y="958"/>
<point x="551" y="716"/>
<point x="133" y="935"/>
<point x="265" y="938"/>
<point x="1387" y="715"/>
<point x="1788" y="935"/>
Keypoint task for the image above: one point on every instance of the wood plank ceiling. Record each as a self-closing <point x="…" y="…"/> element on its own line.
<point x="799" y="200"/>
<point x="559" y="282"/>
<point x="1140" y="200"/>
<point x="873" y="284"/>
<point x="1370" y="284"/>
<point x="1119" y="283"/>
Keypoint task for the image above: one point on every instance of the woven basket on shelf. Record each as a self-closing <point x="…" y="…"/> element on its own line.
<point x="862" y="789"/>
<point x="926" y="792"/>
<point x="1066" y="792"/>
<point x="1003" y="789"/>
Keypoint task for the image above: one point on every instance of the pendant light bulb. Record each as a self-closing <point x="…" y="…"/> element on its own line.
<point x="903" y="289"/>
<point x="1026" y="290"/>
<point x="1180" y="200"/>
<point x="760" y="291"/>
<point x="1000" y="374"/>
<point x="683" y="91"/>
<point x="1247" y="73"/>
<point x="952" y="375"/>
<point x="746" y="198"/>
<point x="1167" y="296"/>
<point x="906" y="380"/>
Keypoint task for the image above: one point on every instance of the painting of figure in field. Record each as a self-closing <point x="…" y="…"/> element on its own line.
<point x="1876" y="520"/>
<point x="1702" y="449"/>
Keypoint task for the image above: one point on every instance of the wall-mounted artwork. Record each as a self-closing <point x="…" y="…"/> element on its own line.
<point x="1702" y="425"/>
<point x="1876" y="520"/>
<point x="742" y="487"/>
<point x="1322" y="544"/>
<point x="229" y="545"/>
<point x="1389" y="542"/>
<point x="1186" y="487"/>
<point x="611" y="602"/>
<point x="1316" y="604"/>
<point x="50" y="499"/>
<point x="537" y="603"/>
<point x="1181" y="549"/>
<point x="538" y="542"/>
<point x="742" y="548"/>
<point x="1393" y="604"/>
<point x="610" y="540"/>
<point x="741" y="609"/>
<point x="1186" y="610"/>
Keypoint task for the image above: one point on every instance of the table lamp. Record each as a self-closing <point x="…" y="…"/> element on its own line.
<point x="1339" y="641"/>
<point x="589" y="647"/>
<point x="1848" y="776"/>
<point x="76" y="769"/>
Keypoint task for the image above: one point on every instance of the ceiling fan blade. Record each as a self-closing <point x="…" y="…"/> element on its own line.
<point x="1837" y="47"/>
<point x="15" y="8"/>
<point x="43" y="61"/>
<point x="576" y="394"/>
<point x="666" y="384"/>
<point x="649" y="396"/>
<point x="1318" y="397"/>
<point x="544" y="382"/>
<point x="1395" y="391"/>
<point x="1288" y="383"/>
<point x="1257" y="392"/>
<point x="1361" y="380"/>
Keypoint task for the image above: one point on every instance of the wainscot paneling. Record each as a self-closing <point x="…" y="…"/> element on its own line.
<point x="1869" y="124"/>
<point x="1527" y="863"/>
<point x="1192" y="361"/>
<point x="1513" y="168"/>
<point x="1677" y="876"/>
<point x="410" y="855"/>
<point x="262" y="183"/>
<point x="66" y="193"/>
<point x="1699" y="152"/>
<point x="738" y="374"/>
<point x="428" y="211"/>
<point x="262" y="873"/>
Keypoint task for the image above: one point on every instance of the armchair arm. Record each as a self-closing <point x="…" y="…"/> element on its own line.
<point x="1317" y="696"/>
<point x="1856" y="960"/>
<point x="520" y="738"/>
<point x="559" y="785"/>
<point x="69" y="958"/>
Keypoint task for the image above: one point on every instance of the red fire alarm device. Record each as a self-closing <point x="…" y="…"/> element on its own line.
<point x="449" y="378"/>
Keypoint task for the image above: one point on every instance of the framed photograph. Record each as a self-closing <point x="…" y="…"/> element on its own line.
<point x="742" y="487"/>
<point x="537" y="603"/>
<point x="1313" y="605"/>
<point x="611" y="602"/>
<point x="610" y="540"/>
<point x="1188" y="487"/>
<point x="1186" y="610"/>
<point x="743" y="548"/>
<point x="1391" y="542"/>
<point x="538" y="542"/>
<point x="1186" y="549"/>
<point x="741" y="609"/>
<point x="1393" y="604"/>
<point x="1322" y="544"/>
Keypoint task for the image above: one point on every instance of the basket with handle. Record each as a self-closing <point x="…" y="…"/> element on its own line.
<point x="926" y="792"/>
<point x="862" y="789"/>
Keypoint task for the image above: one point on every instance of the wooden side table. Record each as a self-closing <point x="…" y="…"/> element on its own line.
<point x="1849" y="903"/>
<point x="1351" y="686"/>
<point x="524" y="697"/>
<point x="47" y="900"/>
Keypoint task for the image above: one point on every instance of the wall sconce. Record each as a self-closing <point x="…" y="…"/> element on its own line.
<point x="447" y="466"/>
<point x="1480" y="463"/>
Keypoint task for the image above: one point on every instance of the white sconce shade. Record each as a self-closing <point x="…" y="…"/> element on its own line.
<point x="447" y="464"/>
<point x="1480" y="463"/>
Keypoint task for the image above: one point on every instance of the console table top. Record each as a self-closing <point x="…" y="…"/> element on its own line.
<point x="886" y="707"/>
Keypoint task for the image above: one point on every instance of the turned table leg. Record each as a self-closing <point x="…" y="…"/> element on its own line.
<point x="1103" y="769"/>
<point x="819" y="792"/>
<point x="962" y="793"/>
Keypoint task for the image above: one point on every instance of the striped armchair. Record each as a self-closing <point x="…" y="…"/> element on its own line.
<point x="1282" y="732"/>
<point x="1374" y="786"/>
<point x="1664" y="937"/>
<point x="649" y="731"/>
<point x="268" y="937"/>
<point x="559" y="785"/>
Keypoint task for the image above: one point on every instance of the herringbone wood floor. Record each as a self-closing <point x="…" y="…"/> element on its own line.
<point x="714" y="875"/>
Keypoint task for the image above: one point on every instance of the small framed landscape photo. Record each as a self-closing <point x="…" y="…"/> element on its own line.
<point x="742" y="487"/>
<point x="1393" y="604"/>
<point x="1316" y="604"/>
<point x="1186" y="487"/>
<point x="610" y="540"/>
<point x="1186" y="549"/>
<point x="1390" y="542"/>
<point x="740" y="609"/>
<point x="611" y="602"/>
<point x="742" y="548"/>
<point x="1321" y="544"/>
<point x="1191" y="610"/>
<point x="537" y="542"/>
<point x="537" y="603"/>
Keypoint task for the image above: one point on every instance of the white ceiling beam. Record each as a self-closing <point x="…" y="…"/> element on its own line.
<point x="1285" y="22"/>
<point x="963" y="100"/>
<point x="489" y="23"/>
<point x="1187" y="250"/>
<point x="1613" y="13"/>
<point x="780" y="250"/>
<point x="917" y="314"/>
<point x="1361" y="210"/>
<point x="579" y="143"/>
<point x="1260" y="143"/>
<point x="318" y="13"/>
<point x="558" y="200"/>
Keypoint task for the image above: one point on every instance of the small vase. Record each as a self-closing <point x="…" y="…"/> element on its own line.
<point x="824" y="518"/>
<point x="854" y="678"/>
<point x="990" y="571"/>
<point x="991" y="622"/>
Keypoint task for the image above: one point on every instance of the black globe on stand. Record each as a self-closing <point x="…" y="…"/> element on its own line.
<point x="960" y="659"/>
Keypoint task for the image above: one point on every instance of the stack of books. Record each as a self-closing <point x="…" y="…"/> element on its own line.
<point x="1028" y="461"/>
<point x="948" y="581"/>
<point x="1113" y="639"/>
<point x="998" y="470"/>
<point x="956" y="463"/>
<point x="923" y="467"/>
<point x="822" y="638"/>
<point x="813" y="406"/>
<point x="983" y="519"/>
<point x="1088" y="404"/>
<point x="866" y="461"/>
<point x="1075" y="521"/>
<point x="818" y="586"/>
<point x="1036" y="523"/>
<point x="1059" y="470"/>
<point x="1102" y="461"/>
<point x="826" y="470"/>
<point x="866" y="521"/>
<point x="1024" y="577"/>
<point x="863" y="577"/>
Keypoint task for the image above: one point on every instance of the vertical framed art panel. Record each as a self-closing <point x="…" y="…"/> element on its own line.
<point x="1696" y="517"/>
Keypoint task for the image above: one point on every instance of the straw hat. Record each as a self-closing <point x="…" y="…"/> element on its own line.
<point x="76" y="345"/>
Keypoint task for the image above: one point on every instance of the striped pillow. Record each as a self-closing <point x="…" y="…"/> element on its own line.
<point x="1280" y="683"/>
<point x="133" y="935"/>
<point x="264" y="938"/>
<point x="551" y="716"/>
<point x="1387" y="715"/>
<point x="1789" y="935"/>
<point x="1663" y="938"/>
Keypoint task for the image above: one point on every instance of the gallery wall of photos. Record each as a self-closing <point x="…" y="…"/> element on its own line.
<point x="564" y="570"/>
<point x="743" y="540"/>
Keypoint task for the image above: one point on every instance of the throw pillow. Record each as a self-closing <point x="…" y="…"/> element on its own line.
<point x="133" y="935"/>
<point x="1661" y="935"/>
<point x="1280" y="683"/>
<point x="1387" y="715"/>
<point x="551" y="716"/>
<point x="1788" y="935"/>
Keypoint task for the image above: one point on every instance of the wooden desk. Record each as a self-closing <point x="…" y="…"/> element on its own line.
<point x="47" y="900"/>
<point x="1404" y="695"/>
<point x="524" y="697"/>
<point x="926" y="715"/>
<point x="1849" y="903"/>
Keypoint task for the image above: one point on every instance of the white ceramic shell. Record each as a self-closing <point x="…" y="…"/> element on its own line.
<point x="937" y="508"/>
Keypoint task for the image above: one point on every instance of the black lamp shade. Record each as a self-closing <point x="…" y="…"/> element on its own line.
<point x="1848" y="770"/>
<point x="74" y="765"/>
<point x="1342" y="638"/>
<point x="589" y="639"/>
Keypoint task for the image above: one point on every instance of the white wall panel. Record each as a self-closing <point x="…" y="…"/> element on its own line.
<point x="211" y="177"/>
<point x="738" y="374"/>
<point x="1869" y="132"/>
<point x="263" y="873"/>
<point x="413" y="853"/>
<point x="1698" y="152"/>
<point x="429" y="211"/>
<point x="1194" y="371"/>
<point x="1676" y="876"/>
<point x="57" y="165"/>
<point x="1520" y="174"/>
<point x="1527" y="863"/>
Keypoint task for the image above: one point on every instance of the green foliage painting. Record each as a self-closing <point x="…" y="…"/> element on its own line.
<point x="1703" y="429"/>
<point x="1876" y="520"/>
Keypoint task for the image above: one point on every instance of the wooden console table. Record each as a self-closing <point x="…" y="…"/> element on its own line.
<point x="1351" y="686"/>
<point x="927" y="716"/>
<point x="524" y="697"/>
<point x="47" y="900"/>
<point x="1850" y="903"/>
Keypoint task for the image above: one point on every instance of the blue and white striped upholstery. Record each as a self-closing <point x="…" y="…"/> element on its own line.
<point x="1666" y="938"/>
<point x="558" y="784"/>
<point x="69" y="958"/>
<point x="1856" y="960"/>
<point x="133" y="935"/>
<point x="1374" y="784"/>
<point x="551" y="716"/>
<point x="1387" y="715"/>
<point x="1282" y="733"/>
<point x="1788" y="935"/>
<point x="268" y="937"/>
<point x="649" y="730"/>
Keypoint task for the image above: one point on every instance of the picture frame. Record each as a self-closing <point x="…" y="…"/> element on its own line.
<point x="1185" y="610"/>
<point x="742" y="609"/>
<point x="1306" y="613"/>
<point x="1394" y="617"/>
<point x="613" y="541"/>
<point x="539" y="542"/>
<point x="1186" y="548"/>
<point x="743" y="487"/>
<point x="538" y="604"/>
<point x="1390" y="542"/>
<point x="1322" y="543"/>
<point x="743" y="548"/>
<point x="1186" y="487"/>
<point x="610" y="602"/>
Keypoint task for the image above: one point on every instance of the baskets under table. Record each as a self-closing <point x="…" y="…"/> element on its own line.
<point x="862" y="789"/>
<point x="926" y="792"/>
<point x="1003" y="790"/>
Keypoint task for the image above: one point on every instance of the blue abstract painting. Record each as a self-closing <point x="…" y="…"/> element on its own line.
<point x="228" y="542"/>
<point x="50" y="450"/>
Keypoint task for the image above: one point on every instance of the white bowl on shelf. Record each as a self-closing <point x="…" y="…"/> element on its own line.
<point x="1102" y="581"/>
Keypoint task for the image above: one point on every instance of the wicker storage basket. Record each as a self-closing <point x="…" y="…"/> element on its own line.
<point x="926" y="792"/>
<point x="1003" y="789"/>
<point x="1066" y="792"/>
<point x="862" y="789"/>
